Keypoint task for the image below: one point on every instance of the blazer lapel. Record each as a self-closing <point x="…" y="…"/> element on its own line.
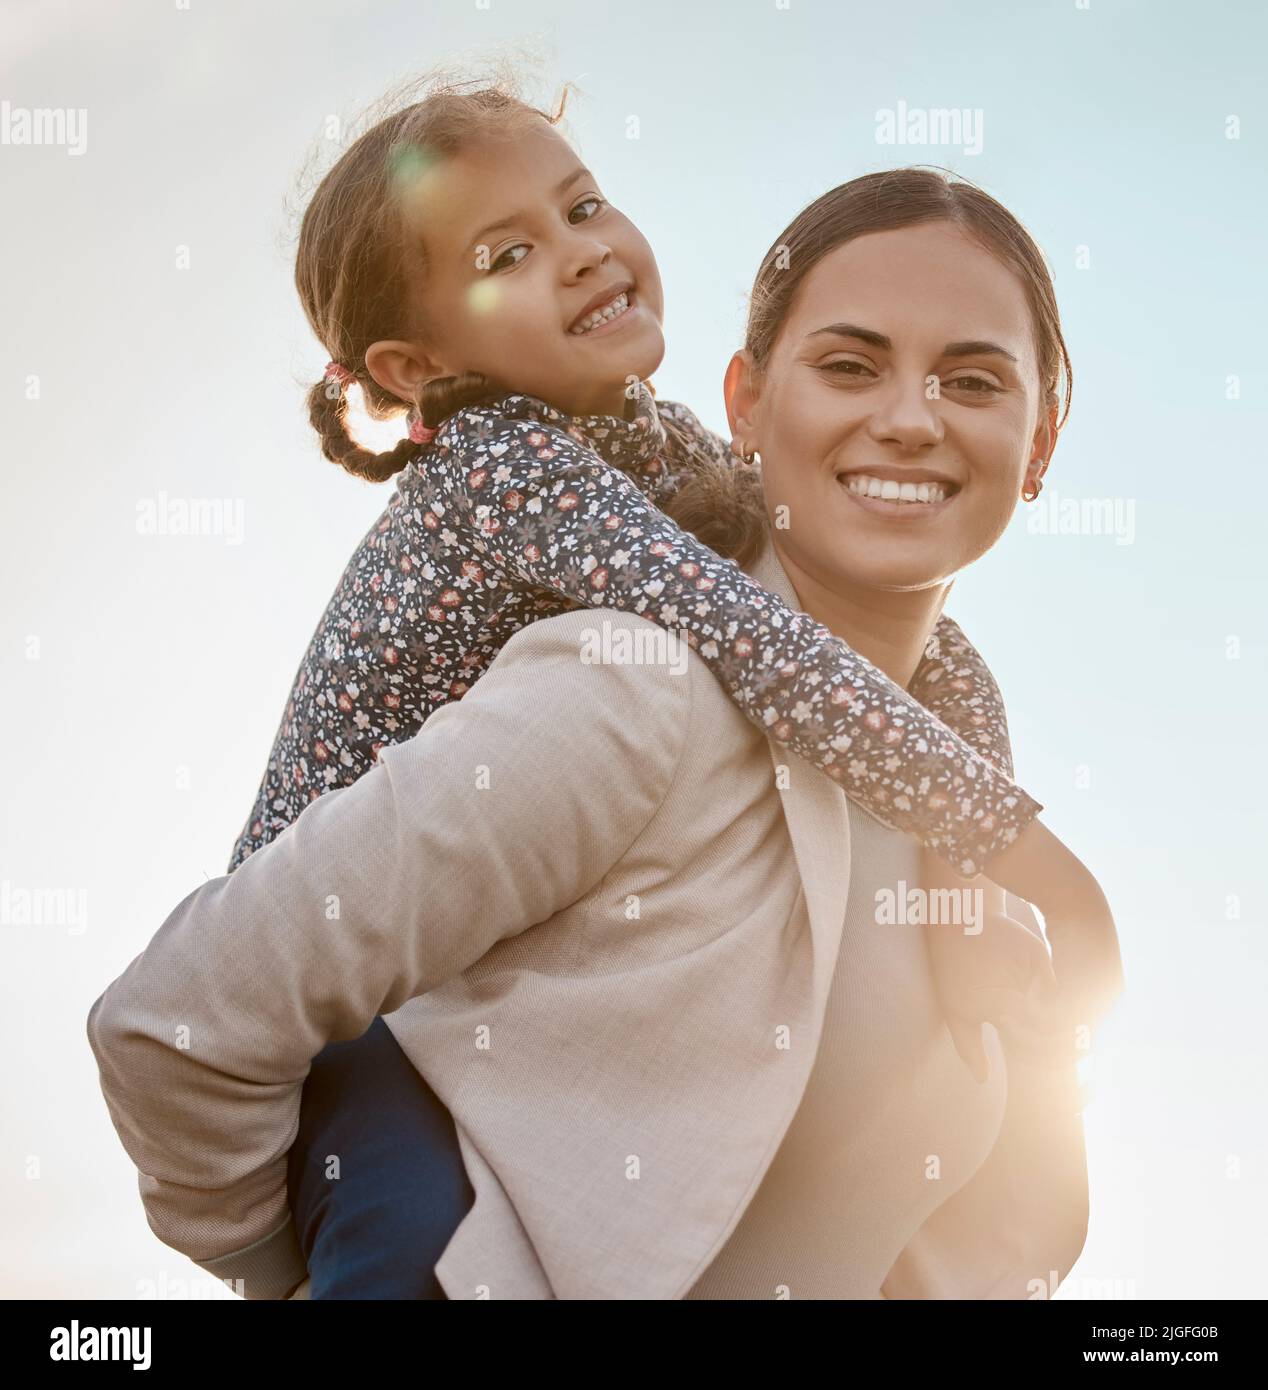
<point x="818" y="824"/>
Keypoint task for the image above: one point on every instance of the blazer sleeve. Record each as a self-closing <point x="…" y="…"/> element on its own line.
<point x="377" y="893"/>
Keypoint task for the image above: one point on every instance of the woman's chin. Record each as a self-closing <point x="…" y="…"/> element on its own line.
<point x="886" y="568"/>
<point x="899" y="581"/>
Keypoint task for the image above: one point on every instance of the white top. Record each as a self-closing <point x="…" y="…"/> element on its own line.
<point x="891" y="1124"/>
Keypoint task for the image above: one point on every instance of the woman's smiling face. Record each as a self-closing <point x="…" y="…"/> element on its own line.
<point x="907" y="362"/>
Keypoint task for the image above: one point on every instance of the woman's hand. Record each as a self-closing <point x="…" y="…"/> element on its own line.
<point x="987" y="978"/>
<point x="1080" y="928"/>
<point x="1089" y="978"/>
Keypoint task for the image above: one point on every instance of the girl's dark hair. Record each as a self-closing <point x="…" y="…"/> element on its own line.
<point x="728" y="500"/>
<point x="360" y="260"/>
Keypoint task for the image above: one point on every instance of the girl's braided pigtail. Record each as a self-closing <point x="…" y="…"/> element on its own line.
<point x="328" y="413"/>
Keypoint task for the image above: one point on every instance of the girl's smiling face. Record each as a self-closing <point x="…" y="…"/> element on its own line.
<point x="533" y="279"/>
<point x="907" y="363"/>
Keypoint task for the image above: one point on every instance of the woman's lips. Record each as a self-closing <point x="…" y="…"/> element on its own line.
<point x="896" y="508"/>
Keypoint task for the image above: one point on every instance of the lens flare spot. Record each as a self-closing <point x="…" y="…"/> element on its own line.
<point x="408" y="163"/>
<point x="412" y="179"/>
<point x="376" y="435"/>
<point x="483" y="296"/>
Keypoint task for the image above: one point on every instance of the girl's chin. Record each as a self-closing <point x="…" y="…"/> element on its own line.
<point x="644" y="355"/>
<point x="606" y="396"/>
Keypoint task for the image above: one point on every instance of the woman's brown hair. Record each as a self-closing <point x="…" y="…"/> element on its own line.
<point x="361" y="262"/>
<point x="726" y="502"/>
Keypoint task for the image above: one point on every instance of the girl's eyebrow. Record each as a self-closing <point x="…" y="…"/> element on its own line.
<point x="972" y="347"/>
<point x="580" y="172"/>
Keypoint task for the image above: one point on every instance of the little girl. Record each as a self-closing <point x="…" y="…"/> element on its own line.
<point x="458" y="260"/>
<point x="545" y="502"/>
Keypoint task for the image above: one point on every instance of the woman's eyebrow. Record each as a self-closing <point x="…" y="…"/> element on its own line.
<point x="971" y="347"/>
<point x="580" y="172"/>
<point x="977" y="347"/>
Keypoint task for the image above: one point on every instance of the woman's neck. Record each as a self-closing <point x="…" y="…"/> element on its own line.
<point x="891" y="628"/>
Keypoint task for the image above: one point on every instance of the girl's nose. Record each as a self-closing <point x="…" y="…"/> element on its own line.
<point x="904" y="412"/>
<point x="585" y="255"/>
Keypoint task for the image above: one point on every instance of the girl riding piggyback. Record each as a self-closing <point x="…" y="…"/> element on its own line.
<point x="461" y="267"/>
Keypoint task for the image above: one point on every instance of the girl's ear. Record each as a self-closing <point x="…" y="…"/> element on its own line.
<point x="740" y="387"/>
<point x="401" y="367"/>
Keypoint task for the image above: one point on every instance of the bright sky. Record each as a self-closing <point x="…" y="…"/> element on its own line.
<point x="143" y="675"/>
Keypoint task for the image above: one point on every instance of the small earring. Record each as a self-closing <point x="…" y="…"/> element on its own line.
<point x="749" y="456"/>
<point x="1030" y="496"/>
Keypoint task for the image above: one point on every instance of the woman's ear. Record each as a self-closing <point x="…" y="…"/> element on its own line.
<point x="740" y="388"/>
<point x="401" y="367"/>
<point x="1043" y="443"/>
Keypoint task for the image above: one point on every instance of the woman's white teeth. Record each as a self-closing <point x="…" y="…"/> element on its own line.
<point x="609" y="311"/>
<point x="891" y="491"/>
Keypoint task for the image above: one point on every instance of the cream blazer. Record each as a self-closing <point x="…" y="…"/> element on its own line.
<point x="600" y="912"/>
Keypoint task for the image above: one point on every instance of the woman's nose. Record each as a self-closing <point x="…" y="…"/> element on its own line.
<point x="905" y="412"/>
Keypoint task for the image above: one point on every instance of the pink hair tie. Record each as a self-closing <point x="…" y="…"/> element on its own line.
<point x="335" y="371"/>
<point x="419" y="432"/>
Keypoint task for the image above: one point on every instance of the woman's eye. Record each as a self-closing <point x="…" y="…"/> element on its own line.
<point x="593" y="203"/>
<point x="509" y="257"/>
<point x="846" y="368"/>
<point x="979" y="384"/>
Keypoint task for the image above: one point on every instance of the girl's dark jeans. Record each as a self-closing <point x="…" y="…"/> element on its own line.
<point x="376" y="1230"/>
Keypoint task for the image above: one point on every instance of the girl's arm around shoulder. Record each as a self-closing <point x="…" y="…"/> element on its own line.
<point x="694" y="431"/>
<point x="377" y="893"/>
<point x="546" y="513"/>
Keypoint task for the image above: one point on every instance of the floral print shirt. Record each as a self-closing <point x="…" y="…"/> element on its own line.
<point x="516" y="512"/>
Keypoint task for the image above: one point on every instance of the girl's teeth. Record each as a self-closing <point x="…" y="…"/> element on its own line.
<point x="889" y="490"/>
<point x="609" y="311"/>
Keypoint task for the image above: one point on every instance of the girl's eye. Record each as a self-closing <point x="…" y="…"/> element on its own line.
<point x="594" y="203"/>
<point x="505" y="260"/>
<point x="981" y="386"/>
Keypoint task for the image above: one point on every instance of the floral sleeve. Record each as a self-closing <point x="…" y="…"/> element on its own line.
<point x="953" y="682"/>
<point x="956" y="685"/>
<point x="548" y="513"/>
